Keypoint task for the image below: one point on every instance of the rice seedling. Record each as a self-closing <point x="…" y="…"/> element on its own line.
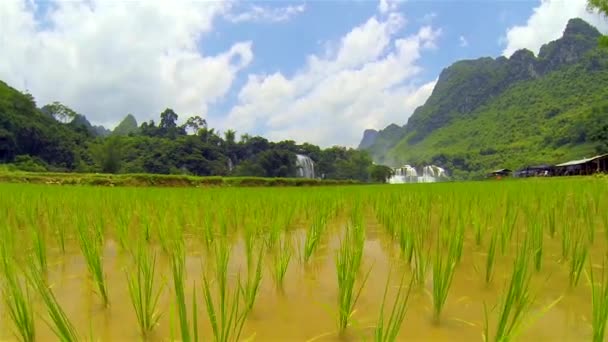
<point x="59" y="322"/>
<point x="251" y="287"/>
<point x="444" y="266"/>
<point x="599" y="302"/>
<point x="177" y="270"/>
<point x="388" y="331"/>
<point x="577" y="260"/>
<point x="490" y="260"/>
<point x="518" y="300"/>
<point x="348" y="262"/>
<point x="421" y="257"/>
<point x="281" y="260"/>
<point x="143" y="292"/>
<point x="92" y="250"/>
<point x="313" y="236"/>
<point x="226" y="315"/>
<point x="17" y="299"/>
<point x="40" y="248"/>
<point x="537" y="245"/>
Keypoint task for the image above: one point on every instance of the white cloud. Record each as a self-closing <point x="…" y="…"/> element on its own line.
<point x="366" y="81"/>
<point x="263" y="14"/>
<point x="387" y="6"/>
<point x="547" y="23"/>
<point x="104" y="58"/>
<point x="463" y="42"/>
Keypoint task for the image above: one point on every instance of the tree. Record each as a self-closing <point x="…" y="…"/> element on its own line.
<point x="59" y="111"/>
<point x="168" y="119"/>
<point x="194" y="124"/>
<point x="108" y="154"/>
<point x="230" y="136"/>
<point x="380" y="173"/>
<point x="602" y="7"/>
<point x="8" y="146"/>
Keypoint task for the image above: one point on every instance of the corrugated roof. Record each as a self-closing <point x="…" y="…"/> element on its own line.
<point x="581" y="161"/>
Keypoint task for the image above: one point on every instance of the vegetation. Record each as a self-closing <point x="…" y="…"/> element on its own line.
<point x="487" y="114"/>
<point x="225" y="251"/>
<point x="56" y="138"/>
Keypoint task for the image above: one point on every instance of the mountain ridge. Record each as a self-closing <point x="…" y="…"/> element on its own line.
<point x="466" y="89"/>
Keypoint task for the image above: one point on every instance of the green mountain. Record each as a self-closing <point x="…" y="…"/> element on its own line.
<point x="492" y="113"/>
<point x="126" y="126"/>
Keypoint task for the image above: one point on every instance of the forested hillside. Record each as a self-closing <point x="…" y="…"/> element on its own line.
<point x="490" y="113"/>
<point x="56" y="138"/>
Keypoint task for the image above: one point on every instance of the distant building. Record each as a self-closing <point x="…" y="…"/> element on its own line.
<point x="587" y="166"/>
<point x="498" y="174"/>
<point x="535" y="171"/>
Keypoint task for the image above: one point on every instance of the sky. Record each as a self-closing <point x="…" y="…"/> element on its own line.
<point x="318" y="71"/>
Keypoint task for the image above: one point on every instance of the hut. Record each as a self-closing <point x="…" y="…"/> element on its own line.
<point x="498" y="174"/>
<point x="535" y="171"/>
<point x="586" y="166"/>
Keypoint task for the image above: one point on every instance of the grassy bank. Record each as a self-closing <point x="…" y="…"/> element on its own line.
<point x="143" y="180"/>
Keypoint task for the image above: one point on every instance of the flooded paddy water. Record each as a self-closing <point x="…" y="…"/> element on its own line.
<point x="298" y="238"/>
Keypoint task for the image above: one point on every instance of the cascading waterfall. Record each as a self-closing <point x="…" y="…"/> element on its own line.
<point x="405" y="174"/>
<point x="305" y="166"/>
<point x="408" y="174"/>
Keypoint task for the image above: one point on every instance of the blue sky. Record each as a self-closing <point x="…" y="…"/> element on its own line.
<point x="315" y="71"/>
<point x="481" y="23"/>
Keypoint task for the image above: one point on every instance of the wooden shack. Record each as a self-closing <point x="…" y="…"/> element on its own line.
<point x="586" y="166"/>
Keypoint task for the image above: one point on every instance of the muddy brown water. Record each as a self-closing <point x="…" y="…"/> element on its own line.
<point x="306" y="308"/>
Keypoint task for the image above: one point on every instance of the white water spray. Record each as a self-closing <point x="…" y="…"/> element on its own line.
<point x="305" y="166"/>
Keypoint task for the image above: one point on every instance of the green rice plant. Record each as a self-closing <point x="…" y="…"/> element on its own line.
<point x="91" y="245"/>
<point x="577" y="260"/>
<point x="177" y="270"/>
<point x="599" y="302"/>
<point x="421" y="251"/>
<point x="537" y="245"/>
<point x="122" y="231"/>
<point x="551" y="222"/>
<point x="281" y="260"/>
<point x="491" y="258"/>
<point x="59" y="322"/>
<point x="406" y="243"/>
<point x="17" y="299"/>
<point x="388" y="331"/>
<point x="348" y="262"/>
<point x="226" y="316"/>
<point x="143" y="292"/>
<point x="444" y="266"/>
<point x="518" y="300"/>
<point x="313" y="236"/>
<point x="39" y="248"/>
<point x="567" y="230"/>
<point x="250" y="289"/>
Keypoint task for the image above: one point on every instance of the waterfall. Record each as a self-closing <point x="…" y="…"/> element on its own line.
<point x="305" y="166"/>
<point x="408" y="174"/>
<point x="230" y="165"/>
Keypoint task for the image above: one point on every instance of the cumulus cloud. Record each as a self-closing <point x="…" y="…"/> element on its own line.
<point x="547" y="23"/>
<point x="366" y="81"/>
<point x="265" y="14"/>
<point x="104" y="58"/>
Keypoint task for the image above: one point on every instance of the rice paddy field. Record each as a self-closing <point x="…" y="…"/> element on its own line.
<point x="495" y="261"/>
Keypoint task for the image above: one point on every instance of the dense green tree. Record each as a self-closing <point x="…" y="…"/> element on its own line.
<point x="602" y="7"/>
<point x="8" y="147"/>
<point x="59" y="111"/>
<point x="380" y="173"/>
<point x="108" y="154"/>
<point x="194" y="124"/>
